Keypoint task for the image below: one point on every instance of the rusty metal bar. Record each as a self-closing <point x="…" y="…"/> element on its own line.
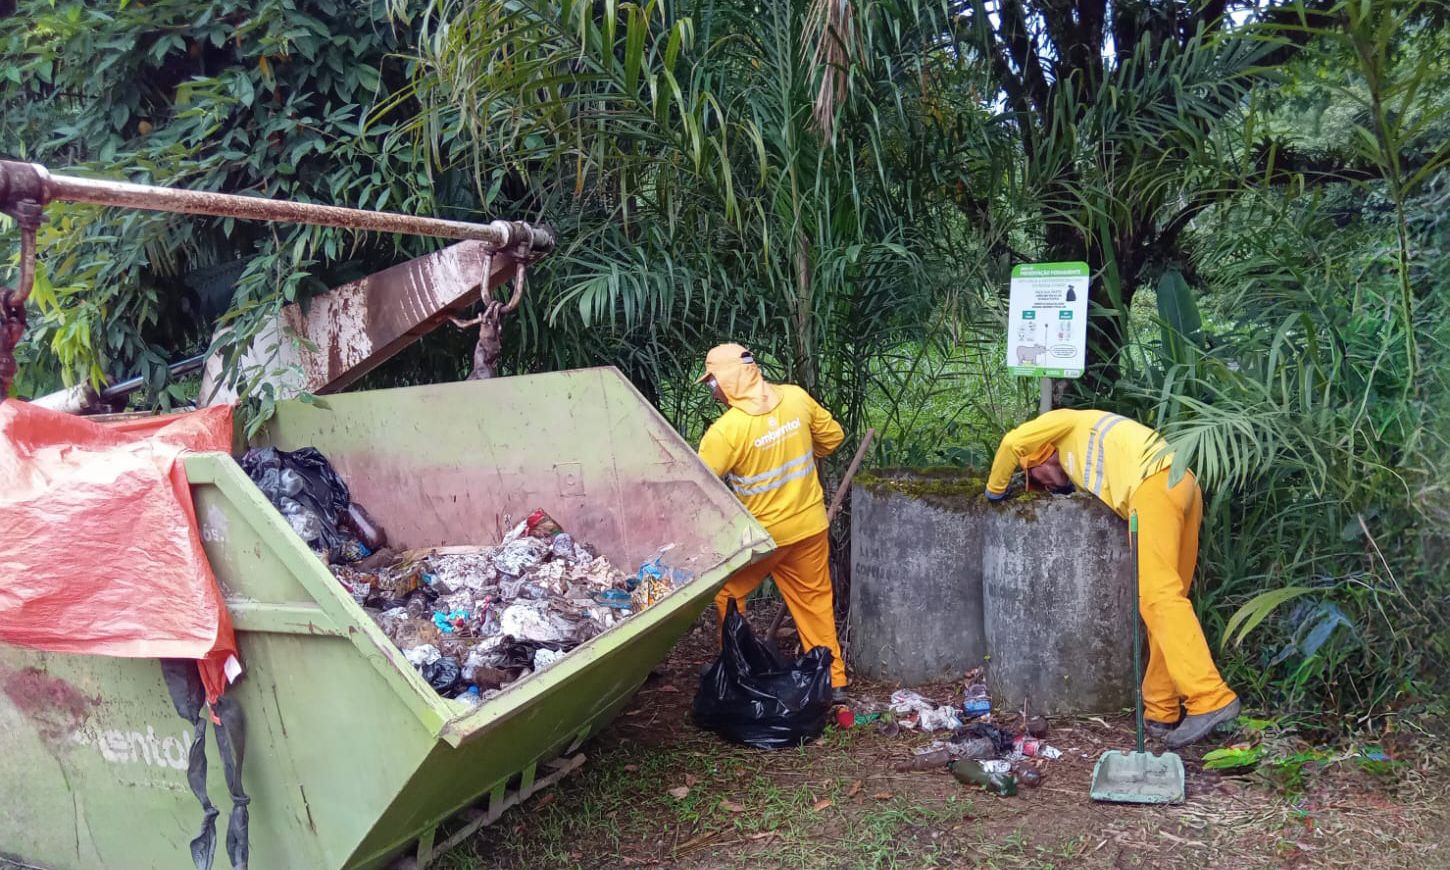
<point x="341" y="335"/>
<point x="29" y="180"/>
<point x="26" y="188"/>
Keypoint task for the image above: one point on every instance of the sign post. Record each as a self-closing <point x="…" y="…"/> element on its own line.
<point x="1047" y="326"/>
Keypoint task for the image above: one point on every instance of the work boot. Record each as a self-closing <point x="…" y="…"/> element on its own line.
<point x="1158" y="730"/>
<point x="838" y="695"/>
<point x="1194" y="728"/>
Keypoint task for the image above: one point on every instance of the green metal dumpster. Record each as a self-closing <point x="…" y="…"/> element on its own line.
<point x="351" y="759"/>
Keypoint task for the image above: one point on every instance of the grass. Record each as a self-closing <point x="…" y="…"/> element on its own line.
<point x="800" y="808"/>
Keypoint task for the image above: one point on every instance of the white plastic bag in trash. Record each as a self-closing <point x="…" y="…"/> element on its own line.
<point x="426" y="654"/>
<point x="930" y="717"/>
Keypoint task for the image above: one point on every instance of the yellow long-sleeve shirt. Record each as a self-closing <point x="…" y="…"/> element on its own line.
<point x="769" y="462"/>
<point x="1104" y="454"/>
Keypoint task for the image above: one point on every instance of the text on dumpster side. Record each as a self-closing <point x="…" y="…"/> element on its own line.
<point x="133" y="747"/>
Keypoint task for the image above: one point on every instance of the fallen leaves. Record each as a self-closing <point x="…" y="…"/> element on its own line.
<point x="883" y="796"/>
<point x="631" y="768"/>
<point x="732" y="806"/>
<point x="690" y="780"/>
<point x="823" y="803"/>
<point x="855" y="789"/>
<point x="680" y="793"/>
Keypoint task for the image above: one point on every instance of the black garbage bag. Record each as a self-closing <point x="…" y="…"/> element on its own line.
<point x="303" y="486"/>
<point x="444" y="675"/>
<point x="751" y="695"/>
<point x="1001" y="739"/>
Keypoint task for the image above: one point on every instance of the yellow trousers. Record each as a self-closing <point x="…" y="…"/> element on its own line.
<point x="1180" y="666"/>
<point x="802" y="572"/>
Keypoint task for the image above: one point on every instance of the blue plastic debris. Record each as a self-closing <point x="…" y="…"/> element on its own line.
<point x="451" y="621"/>
<point x="616" y="598"/>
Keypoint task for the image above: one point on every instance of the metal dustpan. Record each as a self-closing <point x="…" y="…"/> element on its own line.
<point x="1138" y="777"/>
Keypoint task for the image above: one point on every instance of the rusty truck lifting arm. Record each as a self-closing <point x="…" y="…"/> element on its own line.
<point x="346" y="331"/>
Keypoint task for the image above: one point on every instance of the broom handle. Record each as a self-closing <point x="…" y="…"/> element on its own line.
<point x="1137" y="639"/>
<point x="845" y="485"/>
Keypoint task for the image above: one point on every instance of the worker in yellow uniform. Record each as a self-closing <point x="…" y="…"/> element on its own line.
<point x="1127" y="465"/>
<point x="765" y="447"/>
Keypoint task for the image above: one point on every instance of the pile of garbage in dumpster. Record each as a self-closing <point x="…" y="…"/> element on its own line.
<point x="472" y="620"/>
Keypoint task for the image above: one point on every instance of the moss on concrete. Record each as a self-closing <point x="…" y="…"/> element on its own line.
<point x="948" y="488"/>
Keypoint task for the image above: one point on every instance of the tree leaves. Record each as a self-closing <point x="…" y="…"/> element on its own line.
<point x="1257" y="609"/>
<point x="228" y="96"/>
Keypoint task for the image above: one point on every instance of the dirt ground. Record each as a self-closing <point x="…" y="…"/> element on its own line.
<point x="658" y="792"/>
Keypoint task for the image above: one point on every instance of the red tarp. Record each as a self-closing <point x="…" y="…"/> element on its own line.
<point x="101" y="552"/>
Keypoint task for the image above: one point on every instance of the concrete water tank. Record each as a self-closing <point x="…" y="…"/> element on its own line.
<point x="1057" y="593"/>
<point x="916" y="575"/>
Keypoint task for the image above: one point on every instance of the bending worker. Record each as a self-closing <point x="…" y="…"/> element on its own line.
<point x="765" y="446"/>
<point x="1124" y="463"/>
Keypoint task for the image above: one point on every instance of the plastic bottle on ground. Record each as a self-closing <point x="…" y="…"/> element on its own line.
<point x="970" y="772"/>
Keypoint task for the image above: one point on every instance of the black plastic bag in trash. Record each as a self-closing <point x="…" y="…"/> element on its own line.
<point x="751" y="695"/>
<point x="1003" y="740"/>
<point x="303" y="486"/>
<point x="443" y="675"/>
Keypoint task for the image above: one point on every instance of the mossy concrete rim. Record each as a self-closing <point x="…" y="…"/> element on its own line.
<point x="953" y="488"/>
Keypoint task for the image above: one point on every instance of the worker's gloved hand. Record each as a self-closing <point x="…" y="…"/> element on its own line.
<point x="1011" y="491"/>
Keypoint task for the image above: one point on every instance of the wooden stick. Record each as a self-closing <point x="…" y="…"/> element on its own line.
<point x="837" y="501"/>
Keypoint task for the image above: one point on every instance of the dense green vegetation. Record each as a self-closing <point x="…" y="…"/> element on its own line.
<point x="844" y="186"/>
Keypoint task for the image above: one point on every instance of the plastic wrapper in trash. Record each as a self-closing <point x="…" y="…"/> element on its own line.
<point x="540" y="525"/>
<point x="655" y="580"/>
<point x="530" y="621"/>
<point x="305" y="522"/>
<point x="564" y="548"/>
<point x="517" y="557"/>
<point x="426" y="654"/>
<point x="977" y="702"/>
<point x="973" y="747"/>
<point x="357" y="583"/>
<point x="615" y="598"/>
<point x="452" y="621"/>
<point x="751" y="695"/>
<point x="543" y="657"/>
<point x="469" y="571"/>
<point x="928" y="716"/>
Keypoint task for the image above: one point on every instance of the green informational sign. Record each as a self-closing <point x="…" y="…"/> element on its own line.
<point x="1047" y="328"/>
